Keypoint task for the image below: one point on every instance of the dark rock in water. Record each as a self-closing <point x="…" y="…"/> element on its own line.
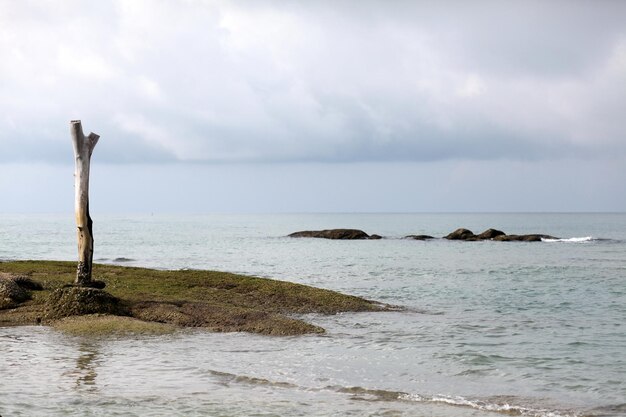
<point x="419" y="237"/>
<point x="522" y="238"/>
<point x="375" y="237"/>
<point x="490" y="234"/>
<point x="78" y="301"/>
<point x="122" y="259"/>
<point x="461" y="234"/>
<point x="340" y="234"/>
<point x="494" y="234"/>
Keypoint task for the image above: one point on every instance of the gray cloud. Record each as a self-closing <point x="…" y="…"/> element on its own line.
<point x="317" y="81"/>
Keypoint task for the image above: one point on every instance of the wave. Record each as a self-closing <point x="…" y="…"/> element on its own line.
<point x="500" y="404"/>
<point x="492" y="406"/>
<point x="575" y="239"/>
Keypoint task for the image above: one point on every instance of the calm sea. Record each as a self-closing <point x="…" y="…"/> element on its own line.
<point x="532" y="329"/>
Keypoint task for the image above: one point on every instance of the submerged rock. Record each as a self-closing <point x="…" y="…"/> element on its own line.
<point x="523" y="238"/>
<point x="338" y="234"/>
<point x="78" y="301"/>
<point x="123" y="259"/>
<point x="419" y="237"/>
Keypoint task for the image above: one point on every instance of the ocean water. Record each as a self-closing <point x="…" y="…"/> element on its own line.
<point x="489" y="328"/>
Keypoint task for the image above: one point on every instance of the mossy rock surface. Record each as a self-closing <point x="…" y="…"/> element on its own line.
<point x="11" y="294"/>
<point x="78" y="301"/>
<point x="221" y="318"/>
<point x="14" y="289"/>
<point x="107" y="325"/>
<point x="216" y="301"/>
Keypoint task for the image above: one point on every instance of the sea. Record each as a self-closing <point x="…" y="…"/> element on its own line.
<point x="485" y="328"/>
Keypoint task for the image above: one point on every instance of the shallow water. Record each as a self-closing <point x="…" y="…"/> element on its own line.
<point x="531" y="329"/>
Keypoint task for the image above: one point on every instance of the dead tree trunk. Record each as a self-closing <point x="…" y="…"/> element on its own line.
<point x="83" y="148"/>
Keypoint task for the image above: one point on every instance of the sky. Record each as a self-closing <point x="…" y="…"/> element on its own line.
<point x="319" y="106"/>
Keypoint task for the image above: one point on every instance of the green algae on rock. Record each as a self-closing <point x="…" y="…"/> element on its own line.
<point x="216" y="301"/>
<point x="79" y="301"/>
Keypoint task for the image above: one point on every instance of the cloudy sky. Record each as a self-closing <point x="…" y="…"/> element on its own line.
<point x="274" y="106"/>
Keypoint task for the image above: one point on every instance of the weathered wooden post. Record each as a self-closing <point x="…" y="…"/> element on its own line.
<point x="83" y="148"/>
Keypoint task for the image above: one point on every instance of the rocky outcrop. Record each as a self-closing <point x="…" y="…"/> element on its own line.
<point x="14" y="289"/>
<point x="490" y="234"/>
<point x="337" y="234"/>
<point x="419" y="237"/>
<point x="11" y="294"/>
<point x="461" y="234"/>
<point x="496" y="235"/>
<point x="458" y="234"/>
<point x="78" y="301"/>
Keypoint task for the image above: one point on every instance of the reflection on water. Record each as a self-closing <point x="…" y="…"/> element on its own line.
<point x="196" y="373"/>
<point x="86" y="366"/>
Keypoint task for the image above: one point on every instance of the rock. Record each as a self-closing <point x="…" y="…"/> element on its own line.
<point x="122" y="259"/>
<point x="14" y="289"/>
<point x="11" y="294"/>
<point x="28" y="283"/>
<point x="419" y="237"/>
<point x="78" y="301"/>
<point x="495" y="234"/>
<point x="522" y="238"/>
<point x="95" y="284"/>
<point x="375" y="237"/>
<point x="461" y="234"/>
<point x="490" y="234"/>
<point x="339" y="234"/>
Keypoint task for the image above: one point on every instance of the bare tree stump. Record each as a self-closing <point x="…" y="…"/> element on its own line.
<point x="83" y="148"/>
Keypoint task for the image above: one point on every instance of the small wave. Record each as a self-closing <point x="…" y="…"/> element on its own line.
<point x="500" y="404"/>
<point x="494" y="406"/>
<point x="227" y="378"/>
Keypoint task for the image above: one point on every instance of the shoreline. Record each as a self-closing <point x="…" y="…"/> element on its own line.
<point x="159" y="301"/>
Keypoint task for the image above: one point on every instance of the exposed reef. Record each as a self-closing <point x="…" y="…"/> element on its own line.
<point x="216" y="301"/>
